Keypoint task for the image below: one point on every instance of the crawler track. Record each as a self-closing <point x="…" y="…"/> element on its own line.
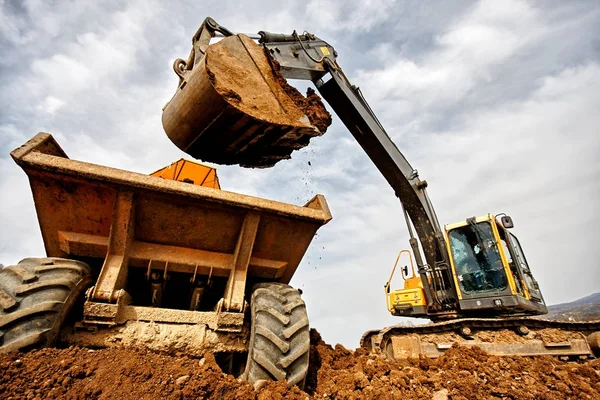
<point x="507" y="336"/>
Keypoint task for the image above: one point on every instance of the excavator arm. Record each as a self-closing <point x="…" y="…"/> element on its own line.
<point x="304" y="57"/>
<point x="308" y="57"/>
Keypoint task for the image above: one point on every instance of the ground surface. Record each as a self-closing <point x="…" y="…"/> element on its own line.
<point x="78" y="373"/>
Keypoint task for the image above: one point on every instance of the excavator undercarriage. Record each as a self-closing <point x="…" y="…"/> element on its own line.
<point x="498" y="336"/>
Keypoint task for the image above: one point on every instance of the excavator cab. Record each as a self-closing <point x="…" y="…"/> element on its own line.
<point x="489" y="269"/>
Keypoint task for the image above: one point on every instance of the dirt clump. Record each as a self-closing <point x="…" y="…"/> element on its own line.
<point x="311" y="105"/>
<point x="335" y="372"/>
<point x="251" y="81"/>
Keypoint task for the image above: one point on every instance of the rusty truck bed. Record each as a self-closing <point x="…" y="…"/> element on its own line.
<point x="194" y="228"/>
<point x="133" y="229"/>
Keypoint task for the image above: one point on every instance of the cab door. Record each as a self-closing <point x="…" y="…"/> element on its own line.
<point x="521" y="262"/>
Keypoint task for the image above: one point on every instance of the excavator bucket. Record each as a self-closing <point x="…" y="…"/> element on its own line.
<point x="233" y="107"/>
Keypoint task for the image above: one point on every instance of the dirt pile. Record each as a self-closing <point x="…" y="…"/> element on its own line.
<point x="250" y="79"/>
<point x="462" y="373"/>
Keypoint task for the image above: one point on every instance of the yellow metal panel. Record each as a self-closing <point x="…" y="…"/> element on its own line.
<point x="413" y="283"/>
<point x="451" y="257"/>
<point x="511" y="280"/>
<point x="449" y="227"/>
<point x="414" y="297"/>
<point x="413" y="287"/>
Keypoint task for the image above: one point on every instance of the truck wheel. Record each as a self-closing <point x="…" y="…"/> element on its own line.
<point x="279" y="337"/>
<point x="35" y="297"/>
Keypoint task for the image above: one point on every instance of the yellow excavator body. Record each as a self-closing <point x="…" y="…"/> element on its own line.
<point x="412" y="295"/>
<point x="494" y="272"/>
<point x="411" y="300"/>
<point x="233" y="106"/>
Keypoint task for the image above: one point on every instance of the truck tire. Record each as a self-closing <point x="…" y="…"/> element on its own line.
<point x="279" y="336"/>
<point x="35" y="297"/>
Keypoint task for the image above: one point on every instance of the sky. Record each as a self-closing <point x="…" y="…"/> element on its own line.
<point x="496" y="103"/>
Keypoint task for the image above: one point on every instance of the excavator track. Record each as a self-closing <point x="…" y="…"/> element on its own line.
<point x="500" y="337"/>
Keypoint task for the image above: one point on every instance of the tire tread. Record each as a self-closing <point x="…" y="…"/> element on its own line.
<point x="35" y="298"/>
<point x="279" y="338"/>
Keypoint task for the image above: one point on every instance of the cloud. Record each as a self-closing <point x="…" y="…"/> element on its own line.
<point x="51" y="105"/>
<point x="350" y="16"/>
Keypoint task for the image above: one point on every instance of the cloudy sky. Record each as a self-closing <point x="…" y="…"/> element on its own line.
<point x="496" y="103"/>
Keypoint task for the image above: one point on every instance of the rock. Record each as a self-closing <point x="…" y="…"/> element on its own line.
<point x="182" y="380"/>
<point x="440" y="395"/>
<point x="259" y="384"/>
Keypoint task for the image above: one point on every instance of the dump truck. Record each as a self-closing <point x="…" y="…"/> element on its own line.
<point x="471" y="279"/>
<point x="169" y="262"/>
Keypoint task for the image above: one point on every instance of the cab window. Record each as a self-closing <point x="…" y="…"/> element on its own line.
<point x="476" y="258"/>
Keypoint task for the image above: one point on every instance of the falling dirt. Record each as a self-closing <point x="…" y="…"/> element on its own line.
<point x="337" y="373"/>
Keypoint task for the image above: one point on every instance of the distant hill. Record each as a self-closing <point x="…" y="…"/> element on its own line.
<point x="584" y="309"/>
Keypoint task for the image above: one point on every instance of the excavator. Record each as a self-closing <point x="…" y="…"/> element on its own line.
<point x="472" y="278"/>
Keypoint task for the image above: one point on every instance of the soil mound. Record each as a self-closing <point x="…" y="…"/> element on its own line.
<point x="336" y="372"/>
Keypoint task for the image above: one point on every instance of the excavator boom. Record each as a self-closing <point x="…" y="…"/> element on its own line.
<point x="248" y="141"/>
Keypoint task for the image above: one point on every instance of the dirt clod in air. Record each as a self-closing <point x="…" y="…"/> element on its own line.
<point x="335" y="373"/>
